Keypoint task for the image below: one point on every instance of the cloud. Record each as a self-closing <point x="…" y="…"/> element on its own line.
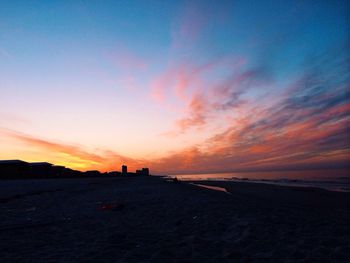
<point x="225" y="94"/>
<point x="307" y="128"/>
<point x="180" y="80"/>
<point x="197" y="108"/>
<point x="74" y="155"/>
<point x="230" y="91"/>
<point x="52" y="146"/>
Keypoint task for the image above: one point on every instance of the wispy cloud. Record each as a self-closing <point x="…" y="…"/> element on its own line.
<point x="206" y="93"/>
<point x="180" y="80"/>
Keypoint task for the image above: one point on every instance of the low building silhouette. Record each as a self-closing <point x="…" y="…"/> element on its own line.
<point x="143" y="171"/>
<point x="41" y="169"/>
<point x="17" y="169"/>
<point x="70" y="173"/>
<point x="11" y="169"/>
<point x="114" y="173"/>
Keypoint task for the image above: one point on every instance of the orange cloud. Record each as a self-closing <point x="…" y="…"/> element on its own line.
<point x="197" y="108"/>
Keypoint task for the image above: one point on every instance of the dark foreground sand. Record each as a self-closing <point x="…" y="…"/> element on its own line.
<point x="151" y="220"/>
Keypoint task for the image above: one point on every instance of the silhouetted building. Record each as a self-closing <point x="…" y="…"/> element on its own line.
<point x="10" y="169"/>
<point x="124" y="170"/>
<point x="41" y="169"/>
<point x="143" y="171"/>
<point x="114" y="173"/>
<point x="69" y="173"/>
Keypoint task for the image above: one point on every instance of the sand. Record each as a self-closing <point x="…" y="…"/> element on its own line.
<point x="152" y="220"/>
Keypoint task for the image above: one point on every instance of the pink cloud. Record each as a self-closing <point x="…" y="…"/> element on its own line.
<point x="179" y="81"/>
<point x="207" y="98"/>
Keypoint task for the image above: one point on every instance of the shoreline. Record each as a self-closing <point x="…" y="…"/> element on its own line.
<point x="326" y="184"/>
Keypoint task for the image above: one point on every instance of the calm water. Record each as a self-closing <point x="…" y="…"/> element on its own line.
<point x="326" y="179"/>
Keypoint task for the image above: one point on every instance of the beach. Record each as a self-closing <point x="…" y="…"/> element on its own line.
<point x="153" y="219"/>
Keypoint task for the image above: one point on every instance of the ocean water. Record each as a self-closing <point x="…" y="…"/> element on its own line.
<point x="325" y="179"/>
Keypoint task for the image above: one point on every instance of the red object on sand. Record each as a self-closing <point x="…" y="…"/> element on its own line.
<point x="112" y="207"/>
<point x="107" y="207"/>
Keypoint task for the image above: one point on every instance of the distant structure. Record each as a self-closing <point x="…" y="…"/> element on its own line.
<point x="144" y="171"/>
<point x="18" y="169"/>
<point x="41" y="169"/>
<point x="13" y="169"/>
<point x="124" y="170"/>
<point x="114" y="173"/>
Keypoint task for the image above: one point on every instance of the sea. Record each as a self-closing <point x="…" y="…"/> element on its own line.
<point x="325" y="179"/>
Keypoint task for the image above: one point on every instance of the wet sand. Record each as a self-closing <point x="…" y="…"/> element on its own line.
<point x="152" y="220"/>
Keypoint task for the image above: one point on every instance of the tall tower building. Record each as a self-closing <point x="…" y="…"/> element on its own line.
<point x="124" y="170"/>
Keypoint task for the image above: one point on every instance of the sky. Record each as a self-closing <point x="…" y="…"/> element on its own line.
<point x="177" y="86"/>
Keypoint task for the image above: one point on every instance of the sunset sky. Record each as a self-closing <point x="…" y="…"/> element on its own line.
<point x="179" y="86"/>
